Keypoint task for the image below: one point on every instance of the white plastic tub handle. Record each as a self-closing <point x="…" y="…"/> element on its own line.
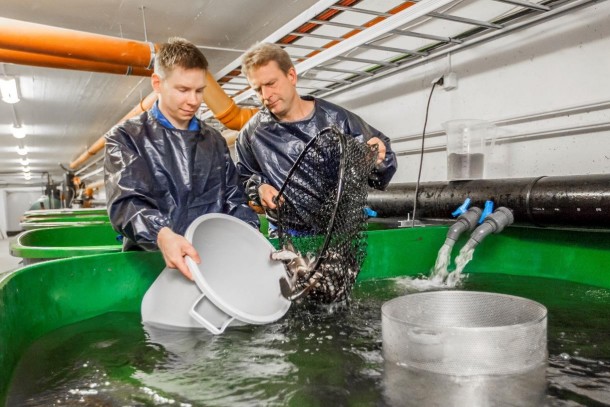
<point x="210" y="326"/>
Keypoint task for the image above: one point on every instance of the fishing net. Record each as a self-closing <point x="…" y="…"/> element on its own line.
<point x="321" y="217"/>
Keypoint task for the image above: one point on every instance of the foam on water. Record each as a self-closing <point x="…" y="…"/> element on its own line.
<point x="440" y="277"/>
<point x="460" y="262"/>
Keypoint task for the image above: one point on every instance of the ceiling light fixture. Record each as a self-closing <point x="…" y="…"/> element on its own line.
<point x="18" y="132"/>
<point x="25" y="161"/>
<point x="27" y="176"/>
<point x="26" y="169"/>
<point x="8" y="89"/>
<point x="22" y="150"/>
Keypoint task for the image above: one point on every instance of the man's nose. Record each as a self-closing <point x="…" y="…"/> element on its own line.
<point x="265" y="93"/>
<point x="193" y="98"/>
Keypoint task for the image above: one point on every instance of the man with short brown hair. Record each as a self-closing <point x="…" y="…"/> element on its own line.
<point x="165" y="168"/>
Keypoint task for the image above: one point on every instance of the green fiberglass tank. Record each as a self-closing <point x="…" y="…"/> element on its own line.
<point x="62" y="242"/>
<point x="69" y="291"/>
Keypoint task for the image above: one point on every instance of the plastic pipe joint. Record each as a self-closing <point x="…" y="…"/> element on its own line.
<point x="494" y="223"/>
<point x="466" y="222"/>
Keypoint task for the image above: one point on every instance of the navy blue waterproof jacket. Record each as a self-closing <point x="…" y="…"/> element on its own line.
<point x="267" y="148"/>
<point x="158" y="177"/>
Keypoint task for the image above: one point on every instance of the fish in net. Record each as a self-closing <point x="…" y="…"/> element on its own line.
<point x="321" y="219"/>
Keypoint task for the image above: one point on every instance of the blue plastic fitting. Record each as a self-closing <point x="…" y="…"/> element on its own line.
<point x="461" y="209"/>
<point x="489" y="208"/>
<point x="369" y="212"/>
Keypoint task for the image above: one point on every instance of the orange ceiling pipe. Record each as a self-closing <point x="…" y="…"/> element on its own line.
<point x="143" y="106"/>
<point x="224" y="108"/>
<point x="51" y="61"/>
<point x="24" y="36"/>
<point x="89" y="152"/>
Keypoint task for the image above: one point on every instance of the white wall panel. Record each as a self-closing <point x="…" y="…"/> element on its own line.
<point x="548" y="87"/>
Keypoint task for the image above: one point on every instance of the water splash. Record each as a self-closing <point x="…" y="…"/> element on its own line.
<point x="440" y="272"/>
<point x="440" y="277"/>
<point x="461" y="261"/>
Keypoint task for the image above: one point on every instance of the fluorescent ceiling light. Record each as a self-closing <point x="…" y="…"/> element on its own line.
<point x="18" y="132"/>
<point x="22" y="150"/>
<point x="25" y="161"/>
<point x="8" y="89"/>
<point x="26" y="169"/>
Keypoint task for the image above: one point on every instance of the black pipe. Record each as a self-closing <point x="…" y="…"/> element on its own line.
<point x="580" y="201"/>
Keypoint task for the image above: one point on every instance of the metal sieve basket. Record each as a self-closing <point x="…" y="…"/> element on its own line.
<point x="464" y="333"/>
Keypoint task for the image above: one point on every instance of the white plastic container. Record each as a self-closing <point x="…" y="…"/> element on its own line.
<point x="468" y="143"/>
<point x="236" y="282"/>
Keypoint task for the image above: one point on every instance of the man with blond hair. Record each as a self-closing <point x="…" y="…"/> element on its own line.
<point x="166" y="167"/>
<point x="270" y="143"/>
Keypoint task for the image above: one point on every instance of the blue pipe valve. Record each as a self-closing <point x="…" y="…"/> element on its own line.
<point x="369" y="212"/>
<point x="462" y="208"/>
<point x="488" y="209"/>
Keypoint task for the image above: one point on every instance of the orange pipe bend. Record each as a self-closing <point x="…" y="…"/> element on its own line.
<point x="235" y="117"/>
<point x="224" y="108"/>
<point x="24" y="36"/>
<point x="51" y="61"/>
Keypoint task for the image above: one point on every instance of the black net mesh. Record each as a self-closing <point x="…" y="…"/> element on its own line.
<point x="321" y="217"/>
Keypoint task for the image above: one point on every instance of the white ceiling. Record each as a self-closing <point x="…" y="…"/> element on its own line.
<point x="64" y="111"/>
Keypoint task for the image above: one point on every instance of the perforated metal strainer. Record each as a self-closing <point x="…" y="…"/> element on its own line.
<point x="464" y="333"/>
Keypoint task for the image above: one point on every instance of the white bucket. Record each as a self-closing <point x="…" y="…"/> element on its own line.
<point x="167" y="302"/>
<point x="236" y="281"/>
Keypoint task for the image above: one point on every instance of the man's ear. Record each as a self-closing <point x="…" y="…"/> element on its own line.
<point x="155" y="81"/>
<point x="292" y="75"/>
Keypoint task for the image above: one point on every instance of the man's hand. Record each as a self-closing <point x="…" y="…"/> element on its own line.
<point x="174" y="247"/>
<point x="267" y="193"/>
<point x="380" y="149"/>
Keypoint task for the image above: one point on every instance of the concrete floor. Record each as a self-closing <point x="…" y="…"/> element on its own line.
<point x="7" y="262"/>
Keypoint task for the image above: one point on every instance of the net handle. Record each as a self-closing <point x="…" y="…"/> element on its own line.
<point x="329" y="230"/>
